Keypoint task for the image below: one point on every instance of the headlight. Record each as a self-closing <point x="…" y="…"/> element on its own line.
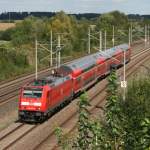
<point x="37" y="104"/>
<point x="30" y="104"/>
<point x="25" y="103"/>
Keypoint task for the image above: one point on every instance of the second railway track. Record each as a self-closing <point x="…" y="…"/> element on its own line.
<point x="9" y="138"/>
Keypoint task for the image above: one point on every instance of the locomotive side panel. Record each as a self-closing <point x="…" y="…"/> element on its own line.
<point x="61" y="93"/>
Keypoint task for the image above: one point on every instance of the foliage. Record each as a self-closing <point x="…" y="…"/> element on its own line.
<point x="12" y="62"/>
<point x="60" y="138"/>
<point x="112" y="112"/>
<point x="112" y="103"/>
<point x="6" y="35"/>
<point x="58" y="133"/>
<point x="83" y="139"/>
<point x="126" y="124"/>
<point x="121" y="24"/>
<point x="100" y="137"/>
<point x="74" y="34"/>
<point x="137" y="116"/>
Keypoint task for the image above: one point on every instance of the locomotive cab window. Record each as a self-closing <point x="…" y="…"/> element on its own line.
<point x="32" y="93"/>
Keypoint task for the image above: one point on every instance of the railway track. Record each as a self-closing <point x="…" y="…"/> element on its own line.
<point x="35" y="136"/>
<point x="10" y="91"/>
<point x="18" y="131"/>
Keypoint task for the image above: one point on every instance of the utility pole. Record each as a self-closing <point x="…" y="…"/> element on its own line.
<point x="129" y="36"/>
<point x="58" y="48"/>
<point x="113" y="38"/>
<point x="56" y="59"/>
<point x="51" y="48"/>
<point x="36" y="43"/>
<point x="105" y="40"/>
<point x="148" y="34"/>
<point x="100" y="40"/>
<point x="124" y="76"/>
<point x="131" y="32"/>
<point x="124" y="82"/>
<point x="145" y="35"/>
<point x="89" y="41"/>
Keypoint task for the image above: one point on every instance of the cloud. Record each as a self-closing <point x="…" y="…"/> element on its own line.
<point x="92" y="1"/>
<point x="119" y="1"/>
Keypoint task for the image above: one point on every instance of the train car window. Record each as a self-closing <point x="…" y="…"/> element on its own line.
<point x="32" y="93"/>
<point x="78" y="80"/>
<point x="39" y="83"/>
<point x="68" y="78"/>
<point x="64" y="70"/>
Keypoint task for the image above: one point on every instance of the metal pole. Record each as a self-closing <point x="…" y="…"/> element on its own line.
<point x="56" y="60"/>
<point x="148" y="34"/>
<point x="58" y="50"/>
<point x="113" y="39"/>
<point x="89" y="41"/>
<point x="129" y="37"/>
<point x="145" y="35"/>
<point x="105" y="39"/>
<point x="124" y="76"/>
<point x="124" y="68"/>
<point x="131" y="32"/>
<point x="36" y="59"/>
<point x="51" y="50"/>
<point x="100" y="40"/>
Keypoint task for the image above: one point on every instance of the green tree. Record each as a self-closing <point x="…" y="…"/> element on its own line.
<point x="84" y="126"/>
<point x="137" y="116"/>
<point x="100" y="137"/>
<point x="112" y="112"/>
<point x="117" y="19"/>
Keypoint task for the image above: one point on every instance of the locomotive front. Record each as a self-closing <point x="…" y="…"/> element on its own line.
<point x="32" y="104"/>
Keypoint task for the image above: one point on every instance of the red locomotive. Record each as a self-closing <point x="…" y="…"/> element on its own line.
<point x="40" y="98"/>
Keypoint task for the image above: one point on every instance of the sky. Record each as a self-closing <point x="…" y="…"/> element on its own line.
<point x="77" y="6"/>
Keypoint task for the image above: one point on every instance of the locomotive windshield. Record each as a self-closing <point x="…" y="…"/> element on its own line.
<point x="32" y="93"/>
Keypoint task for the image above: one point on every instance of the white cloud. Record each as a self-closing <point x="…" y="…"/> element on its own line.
<point x="119" y="1"/>
<point x="92" y="1"/>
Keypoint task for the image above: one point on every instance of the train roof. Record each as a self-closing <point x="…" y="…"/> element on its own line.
<point x="89" y="61"/>
<point x="51" y="80"/>
<point x="83" y="64"/>
<point x="123" y="46"/>
<point x="110" y="52"/>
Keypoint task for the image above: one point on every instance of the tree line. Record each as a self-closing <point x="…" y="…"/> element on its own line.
<point x="12" y="16"/>
<point x="74" y="34"/>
